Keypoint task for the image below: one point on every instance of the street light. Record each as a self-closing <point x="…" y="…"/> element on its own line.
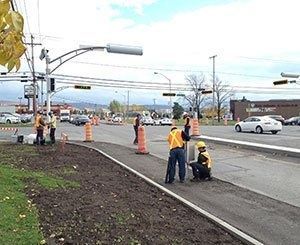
<point x="124" y="105"/>
<point x="158" y="73"/>
<point x="110" y="48"/>
<point x="289" y="75"/>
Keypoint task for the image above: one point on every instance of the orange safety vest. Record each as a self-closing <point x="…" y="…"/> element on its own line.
<point x="37" y="121"/>
<point x="175" y="139"/>
<point x="208" y="161"/>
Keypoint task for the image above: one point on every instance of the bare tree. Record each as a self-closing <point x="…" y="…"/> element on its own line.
<point x="195" y="98"/>
<point x="223" y="93"/>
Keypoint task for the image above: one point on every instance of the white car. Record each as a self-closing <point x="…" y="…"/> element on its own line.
<point x="258" y="124"/>
<point x="147" y="121"/>
<point x="9" y="118"/>
<point x="117" y="119"/>
<point x="163" y="121"/>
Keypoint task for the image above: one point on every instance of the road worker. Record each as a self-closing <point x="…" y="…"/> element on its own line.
<point x="176" y="140"/>
<point x="52" y="125"/>
<point x="187" y="125"/>
<point x="39" y="125"/>
<point x="202" y="168"/>
<point x="136" y="124"/>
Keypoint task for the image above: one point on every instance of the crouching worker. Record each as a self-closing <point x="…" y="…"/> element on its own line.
<point x="202" y="168"/>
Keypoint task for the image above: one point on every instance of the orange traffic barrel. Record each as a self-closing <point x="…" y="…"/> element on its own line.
<point x="88" y="132"/>
<point x="195" y="127"/>
<point x="142" y="149"/>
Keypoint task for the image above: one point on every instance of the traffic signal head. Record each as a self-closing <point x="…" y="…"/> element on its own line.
<point x="207" y="92"/>
<point x="52" y="84"/>
<point x="82" y="87"/>
<point x="281" y="82"/>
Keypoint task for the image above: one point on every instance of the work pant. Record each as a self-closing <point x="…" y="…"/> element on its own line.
<point x="40" y="136"/>
<point x="200" y="171"/>
<point x="136" y="135"/>
<point x="52" y="135"/>
<point x="177" y="154"/>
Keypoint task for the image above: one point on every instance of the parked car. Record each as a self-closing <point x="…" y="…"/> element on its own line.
<point x="292" y="121"/>
<point x="147" y="121"/>
<point x="277" y="118"/>
<point x="9" y="118"/>
<point x="258" y="124"/>
<point x="81" y="120"/>
<point x="163" y="121"/>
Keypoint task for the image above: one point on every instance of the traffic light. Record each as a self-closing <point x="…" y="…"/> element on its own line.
<point x="24" y="79"/>
<point x="206" y="91"/>
<point x="280" y="82"/>
<point x="82" y="87"/>
<point x="52" y="84"/>
<point x="169" y="94"/>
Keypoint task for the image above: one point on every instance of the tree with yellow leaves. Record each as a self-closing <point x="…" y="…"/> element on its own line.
<point x="11" y="33"/>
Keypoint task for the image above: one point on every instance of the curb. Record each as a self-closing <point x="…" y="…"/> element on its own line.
<point x="229" y="228"/>
<point x="287" y="151"/>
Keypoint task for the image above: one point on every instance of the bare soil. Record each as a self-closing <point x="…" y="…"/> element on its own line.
<point x="111" y="206"/>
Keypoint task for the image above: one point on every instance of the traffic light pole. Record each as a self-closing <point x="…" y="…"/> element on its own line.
<point x="111" y="48"/>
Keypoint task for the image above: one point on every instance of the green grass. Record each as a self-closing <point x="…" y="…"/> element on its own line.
<point x="19" y="223"/>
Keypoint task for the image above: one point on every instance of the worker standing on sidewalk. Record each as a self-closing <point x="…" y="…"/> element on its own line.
<point x="202" y="168"/>
<point x="176" y="140"/>
<point x="52" y="125"/>
<point x="136" y="124"/>
<point x="187" y="125"/>
<point x="39" y="125"/>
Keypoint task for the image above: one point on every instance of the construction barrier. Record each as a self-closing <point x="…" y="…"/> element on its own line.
<point x="142" y="149"/>
<point x="9" y="134"/>
<point x="88" y="132"/>
<point x="10" y="129"/>
<point x="173" y="122"/>
<point x="63" y="139"/>
<point x="195" y="128"/>
<point x="225" y="121"/>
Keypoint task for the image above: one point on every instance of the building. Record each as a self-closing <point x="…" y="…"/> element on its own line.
<point x="244" y="108"/>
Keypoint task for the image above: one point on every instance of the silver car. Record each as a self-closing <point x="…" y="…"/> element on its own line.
<point x="8" y="118"/>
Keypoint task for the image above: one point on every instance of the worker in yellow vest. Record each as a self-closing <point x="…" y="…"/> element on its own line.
<point x="52" y="125"/>
<point x="39" y="125"/>
<point x="176" y="140"/>
<point x="202" y="168"/>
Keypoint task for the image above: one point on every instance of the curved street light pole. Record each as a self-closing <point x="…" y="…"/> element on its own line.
<point x="110" y="48"/>
<point x="158" y="73"/>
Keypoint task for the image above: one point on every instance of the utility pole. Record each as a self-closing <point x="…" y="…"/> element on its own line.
<point x="214" y="88"/>
<point x="34" y="104"/>
<point x="127" y="105"/>
<point x="154" y="100"/>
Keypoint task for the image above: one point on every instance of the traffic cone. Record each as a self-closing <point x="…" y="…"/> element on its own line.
<point x="225" y="121"/>
<point x="97" y="119"/>
<point x="195" y="127"/>
<point x="142" y="149"/>
<point x="88" y="132"/>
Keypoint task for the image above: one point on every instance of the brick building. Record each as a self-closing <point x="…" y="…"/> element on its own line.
<point x="244" y="108"/>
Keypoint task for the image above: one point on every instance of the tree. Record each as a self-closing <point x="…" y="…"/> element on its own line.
<point x="177" y="111"/>
<point x="115" y="106"/>
<point x="196" y="99"/>
<point x="11" y="32"/>
<point x="223" y="93"/>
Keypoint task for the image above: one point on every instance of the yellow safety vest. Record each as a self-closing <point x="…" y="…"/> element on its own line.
<point x="53" y="122"/>
<point x="208" y="161"/>
<point x="175" y="139"/>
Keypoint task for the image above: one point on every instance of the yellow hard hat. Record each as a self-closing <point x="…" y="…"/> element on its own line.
<point x="200" y="144"/>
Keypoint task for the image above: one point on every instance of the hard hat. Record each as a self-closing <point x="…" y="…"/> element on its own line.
<point x="200" y="144"/>
<point x="50" y="113"/>
<point x="174" y="127"/>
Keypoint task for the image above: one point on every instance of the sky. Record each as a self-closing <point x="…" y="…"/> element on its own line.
<point x="253" y="40"/>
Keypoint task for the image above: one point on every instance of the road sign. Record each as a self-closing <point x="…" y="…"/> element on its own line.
<point x="82" y="87"/>
<point x="206" y="92"/>
<point x="183" y="95"/>
<point x="169" y="94"/>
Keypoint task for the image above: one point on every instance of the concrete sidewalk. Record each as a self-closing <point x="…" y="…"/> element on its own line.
<point x="264" y="218"/>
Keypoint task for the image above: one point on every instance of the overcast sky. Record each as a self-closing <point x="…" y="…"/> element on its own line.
<point x="254" y="40"/>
